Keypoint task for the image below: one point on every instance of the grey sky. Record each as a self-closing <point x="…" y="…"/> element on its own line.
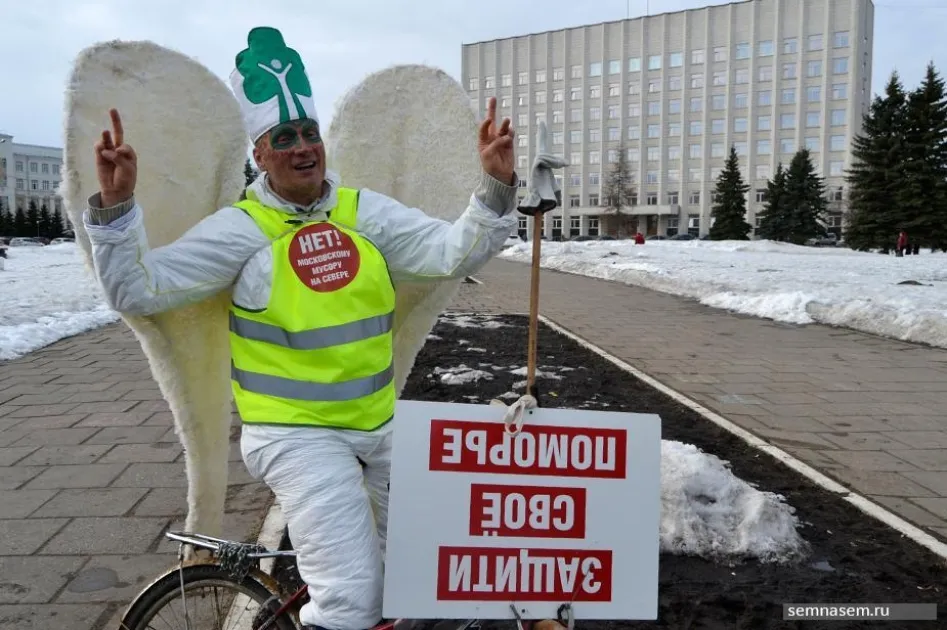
<point x="342" y="41"/>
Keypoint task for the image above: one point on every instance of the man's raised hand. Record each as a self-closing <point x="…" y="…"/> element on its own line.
<point x="116" y="164"/>
<point x="496" y="146"/>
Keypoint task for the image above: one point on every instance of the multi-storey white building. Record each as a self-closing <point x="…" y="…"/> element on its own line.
<point x="676" y="90"/>
<point x="27" y="172"/>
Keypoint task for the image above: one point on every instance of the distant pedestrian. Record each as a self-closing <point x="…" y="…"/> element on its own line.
<point x="902" y="243"/>
<point x="639" y="238"/>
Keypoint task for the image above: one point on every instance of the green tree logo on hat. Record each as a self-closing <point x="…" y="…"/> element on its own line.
<point x="271" y="68"/>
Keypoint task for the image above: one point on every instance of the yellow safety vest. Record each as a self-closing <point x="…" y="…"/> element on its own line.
<point x="321" y="352"/>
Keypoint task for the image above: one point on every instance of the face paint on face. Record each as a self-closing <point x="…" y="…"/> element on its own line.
<point x="290" y="136"/>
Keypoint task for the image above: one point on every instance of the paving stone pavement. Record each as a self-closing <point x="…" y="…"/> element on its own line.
<point x="867" y="411"/>
<point x="91" y="475"/>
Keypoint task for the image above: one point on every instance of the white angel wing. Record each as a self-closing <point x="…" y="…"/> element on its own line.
<point x="409" y="132"/>
<point x="185" y="126"/>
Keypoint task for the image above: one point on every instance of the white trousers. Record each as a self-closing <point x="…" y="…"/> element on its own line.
<point x="336" y="511"/>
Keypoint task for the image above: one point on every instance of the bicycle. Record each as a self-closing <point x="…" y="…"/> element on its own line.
<point x="237" y="568"/>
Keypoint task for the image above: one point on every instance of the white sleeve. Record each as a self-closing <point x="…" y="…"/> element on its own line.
<point x="205" y="260"/>
<point x="419" y="247"/>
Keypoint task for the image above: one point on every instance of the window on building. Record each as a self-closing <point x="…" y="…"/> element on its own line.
<point x="634" y="110"/>
<point x="763" y="147"/>
<point x="654" y="131"/>
<point x="674" y="106"/>
<point x="634" y="64"/>
<point x="674" y="152"/>
<point x="839" y="91"/>
<point x="595" y="91"/>
<point x="593" y="199"/>
<point x="595" y="157"/>
<point x="594" y="179"/>
<point x="595" y="113"/>
<point x="739" y="124"/>
<point x="676" y="60"/>
<point x="473" y="83"/>
<point x="762" y="171"/>
<point x="654" y="154"/>
<point x="789" y="70"/>
<point x="720" y="78"/>
<point x="717" y="125"/>
<point x="33" y="167"/>
<point x="718" y="101"/>
<point x="815" y="42"/>
<point x="695" y="152"/>
<point x="740" y="148"/>
<point x="697" y="80"/>
<point x="696" y="127"/>
<point x="743" y="50"/>
<point x="675" y="83"/>
<point x="814" y="68"/>
<point x="674" y="129"/>
<point x="788" y="96"/>
<point x="720" y="53"/>
<point x="840" y="65"/>
<point x="814" y="93"/>
<point x="614" y="89"/>
<point x="764" y="97"/>
<point x="741" y="100"/>
<point x="45" y="168"/>
<point x="595" y="134"/>
<point x="840" y="39"/>
<point x="837" y="117"/>
<point x="558" y="74"/>
<point x="717" y="150"/>
<point x="760" y="195"/>
<point x="614" y="66"/>
<point x="836" y="168"/>
<point x="697" y="104"/>
<point x="652" y="198"/>
<point x="742" y="75"/>
<point x="764" y="48"/>
<point x="763" y="123"/>
<point x="575" y="72"/>
<point x="787" y="146"/>
<point x="694" y="198"/>
<point x="812" y="119"/>
<point x="654" y="108"/>
<point x="654" y="62"/>
<point x="697" y="56"/>
<point x="614" y="134"/>
<point x="595" y="69"/>
<point x="787" y="121"/>
<point x="837" y="143"/>
<point x="790" y="46"/>
<point x="812" y="144"/>
<point x="634" y="132"/>
<point x="766" y="73"/>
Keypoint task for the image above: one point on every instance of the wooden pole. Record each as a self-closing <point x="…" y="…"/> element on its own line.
<point x="534" y="304"/>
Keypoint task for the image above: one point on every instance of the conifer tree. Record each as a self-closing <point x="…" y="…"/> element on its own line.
<point x="729" y="211"/>
<point x="876" y="174"/>
<point x="922" y="194"/>
<point x="775" y="217"/>
<point x="805" y="199"/>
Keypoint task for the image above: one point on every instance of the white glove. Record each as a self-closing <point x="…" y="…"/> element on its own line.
<point x="543" y="193"/>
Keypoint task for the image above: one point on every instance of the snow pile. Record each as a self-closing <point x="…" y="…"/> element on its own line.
<point x="46" y="294"/>
<point x="707" y="511"/>
<point x="787" y="283"/>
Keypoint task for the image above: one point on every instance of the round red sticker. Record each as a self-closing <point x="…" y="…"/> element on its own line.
<point x="324" y="258"/>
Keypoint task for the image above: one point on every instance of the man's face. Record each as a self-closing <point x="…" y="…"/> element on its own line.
<point x="295" y="158"/>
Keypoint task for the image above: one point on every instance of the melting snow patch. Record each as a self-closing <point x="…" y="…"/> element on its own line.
<point x="461" y="374"/>
<point x="707" y="511"/>
<point x="469" y="320"/>
<point x="521" y="371"/>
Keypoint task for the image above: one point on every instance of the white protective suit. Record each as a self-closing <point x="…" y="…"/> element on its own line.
<point x="313" y="472"/>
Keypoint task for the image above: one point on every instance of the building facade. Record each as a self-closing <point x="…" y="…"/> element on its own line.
<point x="28" y="172"/>
<point x="674" y="92"/>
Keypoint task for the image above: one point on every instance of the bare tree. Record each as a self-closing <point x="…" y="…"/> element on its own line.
<point x="618" y="189"/>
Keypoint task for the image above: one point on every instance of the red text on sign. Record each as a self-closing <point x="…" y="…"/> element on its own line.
<point x="463" y="446"/>
<point x="539" y="575"/>
<point x="527" y="511"/>
<point x="323" y="257"/>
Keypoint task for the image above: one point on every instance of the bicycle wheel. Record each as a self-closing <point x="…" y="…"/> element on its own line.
<point x="228" y="605"/>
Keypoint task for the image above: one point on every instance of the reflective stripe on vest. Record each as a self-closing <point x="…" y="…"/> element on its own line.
<point x="321" y="352"/>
